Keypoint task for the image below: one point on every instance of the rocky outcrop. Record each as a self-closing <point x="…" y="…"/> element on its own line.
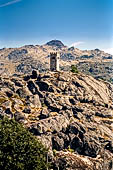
<point x="72" y="114"/>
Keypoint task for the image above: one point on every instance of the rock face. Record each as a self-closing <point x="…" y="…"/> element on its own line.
<point x="72" y="114"/>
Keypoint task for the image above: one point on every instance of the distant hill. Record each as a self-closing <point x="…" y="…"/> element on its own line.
<point x="24" y="59"/>
<point x="57" y="43"/>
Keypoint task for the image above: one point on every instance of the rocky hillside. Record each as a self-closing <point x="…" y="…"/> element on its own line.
<point x="72" y="114"/>
<point x="24" y="59"/>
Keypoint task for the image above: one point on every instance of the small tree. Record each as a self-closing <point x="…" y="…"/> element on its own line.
<point x="74" y="69"/>
<point x="19" y="149"/>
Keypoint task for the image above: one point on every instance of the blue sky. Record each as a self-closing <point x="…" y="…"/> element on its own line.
<point x="86" y="24"/>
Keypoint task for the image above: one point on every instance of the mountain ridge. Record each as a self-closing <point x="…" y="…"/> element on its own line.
<point x="24" y="59"/>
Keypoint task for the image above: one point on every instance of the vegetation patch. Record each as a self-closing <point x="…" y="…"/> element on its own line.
<point x="74" y="69"/>
<point x="19" y="150"/>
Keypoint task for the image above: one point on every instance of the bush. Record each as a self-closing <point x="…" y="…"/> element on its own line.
<point x="74" y="69"/>
<point x="20" y="150"/>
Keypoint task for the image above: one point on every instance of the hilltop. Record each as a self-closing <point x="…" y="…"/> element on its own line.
<point x="55" y="43"/>
<point x="72" y="114"/>
<point x="24" y="59"/>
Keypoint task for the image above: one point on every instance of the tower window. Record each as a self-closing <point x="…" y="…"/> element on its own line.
<point x="53" y="58"/>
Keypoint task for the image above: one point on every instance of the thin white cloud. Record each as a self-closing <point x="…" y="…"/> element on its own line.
<point x="9" y="3"/>
<point x="109" y="50"/>
<point x="77" y="43"/>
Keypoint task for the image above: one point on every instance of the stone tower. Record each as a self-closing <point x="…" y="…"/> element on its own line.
<point x="54" y="61"/>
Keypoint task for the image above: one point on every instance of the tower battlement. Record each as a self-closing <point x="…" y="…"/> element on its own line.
<point x="53" y="53"/>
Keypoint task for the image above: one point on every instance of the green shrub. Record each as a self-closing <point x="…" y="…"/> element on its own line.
<point x="74" y="69"/>
<point x="19" y="149"/>
<point x="70" y="150"/>
<point x="54" y="152"/>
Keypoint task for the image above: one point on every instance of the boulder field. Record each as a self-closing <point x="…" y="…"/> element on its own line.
<point x="71" y="114"/>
